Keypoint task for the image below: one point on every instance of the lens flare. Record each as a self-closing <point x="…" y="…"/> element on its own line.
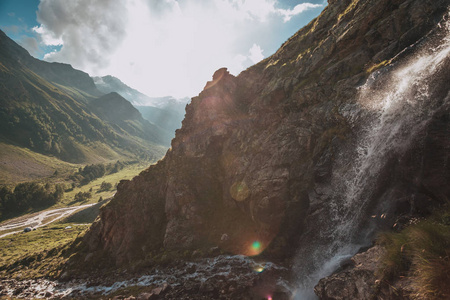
<point x="256" y="245"/>
<point x="258" y="267"/>
<point x="239" y="191"/>
<point x="256" y="248"/>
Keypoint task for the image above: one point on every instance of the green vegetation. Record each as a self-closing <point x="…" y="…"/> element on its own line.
<point x="422" y="252"/>
<point x="38" y="253"/>
<point x="49" y="116"/>
<point x="18" y="164"/>
<point x="82" y="196"/>
<point x="30" y="197"/>
<point x="27" y="196"/>
<point x="105" y="186"/>
<point x="129" y="171"/>
<point x="91" y="172"/>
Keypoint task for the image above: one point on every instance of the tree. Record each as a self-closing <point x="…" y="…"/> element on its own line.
<point x="105" y="186"/>
<point x="82" y="196"/>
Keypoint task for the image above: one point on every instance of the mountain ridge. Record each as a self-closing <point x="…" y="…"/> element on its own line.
<point x="46" y="107"/>
<point x="164" y="112"/>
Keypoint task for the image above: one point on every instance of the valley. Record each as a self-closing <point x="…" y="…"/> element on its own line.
<point x="320" y="172"/>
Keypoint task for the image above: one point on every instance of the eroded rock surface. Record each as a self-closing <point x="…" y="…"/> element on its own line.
<point x="254" y="158"/>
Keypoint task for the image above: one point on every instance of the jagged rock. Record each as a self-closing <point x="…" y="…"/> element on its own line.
<point x="256" y="153"/>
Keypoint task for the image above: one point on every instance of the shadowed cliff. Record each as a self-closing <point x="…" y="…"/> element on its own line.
<point x="255" y="156"/>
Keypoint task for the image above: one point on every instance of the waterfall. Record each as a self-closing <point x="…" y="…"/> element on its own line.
<point x="392" y="107"/>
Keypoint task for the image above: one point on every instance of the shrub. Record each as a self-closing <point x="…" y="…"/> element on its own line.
<point x="423" y="252"/>
<point x="29" y="195"/>
<point x="82" y="196"/>
<point x="105" y="186"/>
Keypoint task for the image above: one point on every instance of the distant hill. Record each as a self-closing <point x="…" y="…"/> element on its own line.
<point x="108" y="84"/>
<point x="166" y="118"/>
<point x="55" y="110"/>
<point x="120" y="112"/>
<point x="165" y="112"/>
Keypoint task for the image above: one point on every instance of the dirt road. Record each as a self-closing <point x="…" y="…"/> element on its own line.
<point x="38" y="219"/>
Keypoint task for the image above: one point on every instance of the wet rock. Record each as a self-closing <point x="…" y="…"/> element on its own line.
<point x="356" y="281"/>
<point x="190" y="286"/>
<point x="191" y="269"/>
<point x="208" y="286"/>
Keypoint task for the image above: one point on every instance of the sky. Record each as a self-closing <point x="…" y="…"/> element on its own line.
<point x="159" y="47"/>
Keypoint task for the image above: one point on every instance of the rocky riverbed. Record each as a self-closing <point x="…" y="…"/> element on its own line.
<point x="221" y="277"/>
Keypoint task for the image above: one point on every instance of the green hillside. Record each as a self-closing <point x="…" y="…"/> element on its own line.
<point x="53" y="110"/>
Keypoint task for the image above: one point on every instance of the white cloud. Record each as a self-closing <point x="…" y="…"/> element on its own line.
<point x="48" y="38"/>
<point x="298" y="9"/>
<point x="256" y="53"/>
<point x="161" y="47"/>
<point x="88" y="30"/>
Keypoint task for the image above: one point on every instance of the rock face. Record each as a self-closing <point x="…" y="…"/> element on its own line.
<point x="257" y="154"/>
<point x="356" y="281"/>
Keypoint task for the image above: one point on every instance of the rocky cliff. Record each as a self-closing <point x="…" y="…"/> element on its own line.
<point x="254" y="166"/>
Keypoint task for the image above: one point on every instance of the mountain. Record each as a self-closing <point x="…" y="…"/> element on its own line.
<point x="108" y="84"/>
<point x="169" y="119"/>
<point x="165" y="112"/>
<point x="55" y="110"/>
<point x="120" y="113"/>
<point x="58" y="73"/>
<point x="306" y="155"/>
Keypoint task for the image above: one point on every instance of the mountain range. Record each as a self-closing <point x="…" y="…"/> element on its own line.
<point x="53" y="110"/>
<point x="165" y="112"/>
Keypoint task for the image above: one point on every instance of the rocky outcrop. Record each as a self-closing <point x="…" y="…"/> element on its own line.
<point x="251" y="168"/>
<point x="356" y="279"/>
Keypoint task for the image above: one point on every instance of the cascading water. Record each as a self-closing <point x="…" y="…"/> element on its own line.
<point x="393" y="106"/>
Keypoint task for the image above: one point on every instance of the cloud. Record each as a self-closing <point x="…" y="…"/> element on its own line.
<point x="47" y="37"/>
<point x="161" y="47"/>
<point x="11" y="14"/>
<point x="256" y="53"/>
<point x="298" y="9"/>
<point x="89" y="31"/>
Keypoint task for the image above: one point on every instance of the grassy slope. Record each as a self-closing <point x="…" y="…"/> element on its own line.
<point x="38" y="253"/>
<point x="125" y="174"/>
<point x="42" y="120"/>
<point x="18" y="164"/>
<point x="43" y="252"/>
